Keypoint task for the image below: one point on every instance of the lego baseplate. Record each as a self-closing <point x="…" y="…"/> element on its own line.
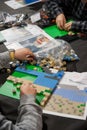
<point x="67" y="101"/>
<point x="43" y="82"/>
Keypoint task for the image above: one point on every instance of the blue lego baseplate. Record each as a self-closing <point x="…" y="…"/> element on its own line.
<point x="43" y="79"/>
<point x="72" y="94"/>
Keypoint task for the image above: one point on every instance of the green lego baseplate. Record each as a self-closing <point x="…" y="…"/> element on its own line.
<point x="11" y="87"/>
<point x="54" y="31"/>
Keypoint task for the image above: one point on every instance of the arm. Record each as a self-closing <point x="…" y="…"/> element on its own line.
<point x="79" y="26"/>
<point x="4" y="59"/>
<point x="76" y="26"/>
<point x="20" y="54"/>
<point x="54" y="7"/>
<point x="55" y="10"/>
<point x="30" y="114"/>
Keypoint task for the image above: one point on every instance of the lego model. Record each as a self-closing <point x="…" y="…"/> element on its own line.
<point x="44" y="83"/>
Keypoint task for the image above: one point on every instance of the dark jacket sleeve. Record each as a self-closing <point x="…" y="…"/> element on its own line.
<point x="79" y="26"/>
<point x="29" y="117"/>
<point x="54" y="7"/>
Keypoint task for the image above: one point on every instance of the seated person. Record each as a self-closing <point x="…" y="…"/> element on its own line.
<point x="60" y="10"/>
<point x="29" y="113"/>
<point x="20" y="54"/>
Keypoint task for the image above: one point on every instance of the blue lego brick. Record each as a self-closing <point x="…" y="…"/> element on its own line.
<point x="36" y="73"/>
<point x="59" y="74"/>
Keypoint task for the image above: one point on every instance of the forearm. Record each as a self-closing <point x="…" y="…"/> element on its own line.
<point x="4" y="59"/>
<point x="79" y="26"/>
<point x="30" y="114"/>
<point x="29" y="117"/>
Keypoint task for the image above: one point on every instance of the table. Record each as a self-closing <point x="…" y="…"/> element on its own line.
<point x="50" y="122"/>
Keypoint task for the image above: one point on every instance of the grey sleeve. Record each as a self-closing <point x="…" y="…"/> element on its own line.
<point x="4" y="59"/>
<point x="29" y="118"/>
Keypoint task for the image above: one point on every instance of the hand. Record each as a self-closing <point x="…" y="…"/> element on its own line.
<point x="60" y="21"/>
<point x="67" y="26"/>
<point x="27" y="88"/>
<point x="24" y="54"/>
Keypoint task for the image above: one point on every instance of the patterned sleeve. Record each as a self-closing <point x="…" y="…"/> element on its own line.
<point x="79" y="26"/>
<point x="54" y="7"/>
<point x="4" y="59"/>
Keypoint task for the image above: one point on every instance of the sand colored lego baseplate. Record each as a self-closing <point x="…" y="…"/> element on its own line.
<point x="11" y="88"/>
<point x="65" y="106"/>
<point x="43" y="93"/>
<point x="16" y="80"/>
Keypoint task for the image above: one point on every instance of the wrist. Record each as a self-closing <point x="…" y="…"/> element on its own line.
<point x="12" y="54"/>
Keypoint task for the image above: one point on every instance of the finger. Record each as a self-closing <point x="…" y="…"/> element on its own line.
<point x="30" y="59"/>
<point x="64" y="22"/>
<point x="67" y="26"/>
<point x="29" y="56"/>
<point x="60" y="25"/>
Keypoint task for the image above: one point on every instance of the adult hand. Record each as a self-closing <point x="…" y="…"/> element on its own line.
<point x="24" y="54"/>
<point x="27" y="88"/>
<point x="67" y="26"/>
<point x="60" y="21"/>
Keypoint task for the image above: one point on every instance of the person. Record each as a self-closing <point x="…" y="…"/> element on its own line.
<point x="61" y="10"/>
<point x="19" y="54"/>
<point x="29" y="113"/>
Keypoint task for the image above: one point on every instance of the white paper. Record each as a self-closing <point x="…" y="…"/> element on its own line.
<point x="13" y="4"/>
<point x="35" y="17"/>
<point x="79" y="78"/>
<point x="18" y="4"/>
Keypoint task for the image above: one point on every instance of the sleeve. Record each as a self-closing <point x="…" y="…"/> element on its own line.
<point x="4" y="59"/>
<point x="54" y="7"/>
<point x="29" y="118"/>
<point x="79" y="26"/>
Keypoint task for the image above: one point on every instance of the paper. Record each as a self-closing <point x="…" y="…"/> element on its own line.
<point x="16" y="34"/>
<point x="79" y="78"/>
<point x="2" y="39"/>
<point x="13" y="4"/>
<point x="36" y="17"/>
<point x="16" y="4"/>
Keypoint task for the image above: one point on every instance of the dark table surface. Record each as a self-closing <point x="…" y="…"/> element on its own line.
<point x="50" y="122"/>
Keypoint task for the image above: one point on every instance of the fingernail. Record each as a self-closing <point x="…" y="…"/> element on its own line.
<point x="27" y="56"/>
